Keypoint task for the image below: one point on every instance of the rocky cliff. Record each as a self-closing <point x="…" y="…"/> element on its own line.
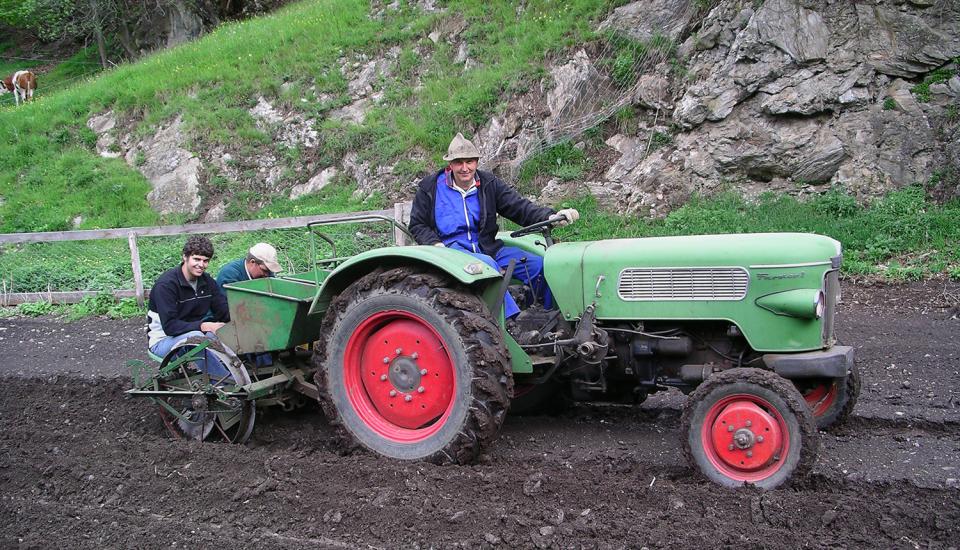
<point x="788" y="96"/>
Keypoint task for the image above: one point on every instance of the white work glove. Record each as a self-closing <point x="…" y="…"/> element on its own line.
<point x="440" y="244"/>
<point x="570" y="215"/>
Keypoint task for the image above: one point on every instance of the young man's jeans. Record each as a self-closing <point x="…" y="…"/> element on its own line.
<point x="209" y="363"/>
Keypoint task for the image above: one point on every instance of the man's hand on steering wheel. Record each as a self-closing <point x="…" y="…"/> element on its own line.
<point x="561" y="218"/>
<point x="570" y="215"/>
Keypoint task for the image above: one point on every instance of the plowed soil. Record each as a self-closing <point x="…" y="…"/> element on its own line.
<point x="81" y="466"/>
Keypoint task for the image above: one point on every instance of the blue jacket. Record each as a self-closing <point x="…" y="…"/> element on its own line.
<point x="232" y="272"/>
<point x="442" y="214"/>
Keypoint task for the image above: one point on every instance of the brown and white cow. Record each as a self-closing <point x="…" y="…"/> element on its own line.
<point x="22" y="84"/>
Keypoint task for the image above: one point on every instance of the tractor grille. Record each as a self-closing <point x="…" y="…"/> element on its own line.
<point x="831" y="291"/>
<point x="689" y="283"/>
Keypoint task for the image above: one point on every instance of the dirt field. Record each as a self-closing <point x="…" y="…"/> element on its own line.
<point x="83" y="467"/>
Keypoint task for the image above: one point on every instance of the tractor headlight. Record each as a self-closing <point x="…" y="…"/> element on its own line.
<point x="806" y="303"/>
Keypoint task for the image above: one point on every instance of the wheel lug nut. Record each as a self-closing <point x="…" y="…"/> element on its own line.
<point x="759" y="439"/>
<point x="730" y="447"/>
<point x="423" y="372"/>
<point x="407" y="398"/>
<point x="749" y="423"/>
<point x="749" y="454"/>
<point x="730" y="428"/>
<point x="420" y="389"/>
<point x="383" y="377"/>
<point x="415" y="355"/>
<point x="393" y="393"/>
<point x="386" y="360"/>
<point x="399" y="351"/>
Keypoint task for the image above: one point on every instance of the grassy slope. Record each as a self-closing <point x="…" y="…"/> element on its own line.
<point x="47" y="151"/>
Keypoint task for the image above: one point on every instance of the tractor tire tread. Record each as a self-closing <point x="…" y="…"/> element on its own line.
<point x="809" y="437"/>
<point x="492" y="380"/>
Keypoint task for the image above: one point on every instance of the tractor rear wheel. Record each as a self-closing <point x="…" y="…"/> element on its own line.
<point x="749" y="426"/>
<point x="831" y="399"/>
<point x="413" y="367"/>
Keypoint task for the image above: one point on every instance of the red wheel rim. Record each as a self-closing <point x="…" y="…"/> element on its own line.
<point x="399" y="376"/>
<point x="745" y="438"/>
<point x="820" y="398"/>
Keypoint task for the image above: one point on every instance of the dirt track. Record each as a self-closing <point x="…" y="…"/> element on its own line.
<point x="83" y="467"/>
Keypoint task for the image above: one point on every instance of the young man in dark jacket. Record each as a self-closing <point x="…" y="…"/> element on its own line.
<point x="181" y="298"/>
<point x="458" y="206"/>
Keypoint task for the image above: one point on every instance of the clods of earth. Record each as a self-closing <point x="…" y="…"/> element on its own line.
<point x="82" y="466"/>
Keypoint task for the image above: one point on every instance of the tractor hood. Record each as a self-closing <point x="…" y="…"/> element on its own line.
<point x="692" y="277"/>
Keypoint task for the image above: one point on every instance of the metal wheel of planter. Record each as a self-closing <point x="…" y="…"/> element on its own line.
<point x="209" y="407"/>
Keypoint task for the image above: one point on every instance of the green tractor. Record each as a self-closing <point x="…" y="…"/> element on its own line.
<point x="413" y="360"/>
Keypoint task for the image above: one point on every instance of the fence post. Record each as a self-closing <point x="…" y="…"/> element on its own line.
<point x="135" y="261"/>
<point x="401" y="213"/>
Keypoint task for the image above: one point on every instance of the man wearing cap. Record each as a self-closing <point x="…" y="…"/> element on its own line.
<point x="458" y="206"/>
<point x="261" y="261"/>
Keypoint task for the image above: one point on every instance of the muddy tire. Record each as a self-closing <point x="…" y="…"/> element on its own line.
<point x="413" y="367"/>
<point x="749" y="426"/>
<point x="831" y="399"/>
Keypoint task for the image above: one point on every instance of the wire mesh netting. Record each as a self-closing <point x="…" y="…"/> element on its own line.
<point x="601" y="83"/>
<point x="106" y="264"/>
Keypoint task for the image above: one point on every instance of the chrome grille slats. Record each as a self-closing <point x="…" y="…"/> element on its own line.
<point x="683" y="283"/>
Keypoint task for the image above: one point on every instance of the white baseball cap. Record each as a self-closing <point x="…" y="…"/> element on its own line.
<point x="268" y="255"/>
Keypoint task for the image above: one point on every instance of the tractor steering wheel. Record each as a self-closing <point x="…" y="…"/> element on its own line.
<point x="540" y="227"/>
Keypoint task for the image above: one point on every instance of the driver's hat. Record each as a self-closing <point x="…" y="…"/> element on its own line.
<point x="461" y="148"/>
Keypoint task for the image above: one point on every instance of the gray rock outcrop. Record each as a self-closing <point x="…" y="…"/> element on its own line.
<point x="790" y="96"/>
<point x="172" y="170"/>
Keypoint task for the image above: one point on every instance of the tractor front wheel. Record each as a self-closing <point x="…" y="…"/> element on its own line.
<point x="749" y="426"/>
<point x="413" y="367"/>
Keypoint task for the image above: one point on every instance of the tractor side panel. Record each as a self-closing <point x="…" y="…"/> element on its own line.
<point x="563" y="269"/>
<point x="713" y="277"/>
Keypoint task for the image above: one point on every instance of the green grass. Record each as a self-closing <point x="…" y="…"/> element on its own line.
<point x="101" y="304"/>
<point x="562" y="161"/>
<point x="901" y="236"/>
<point x="922" y="89"/>
<point x="212" y="82"/>
<point x="105" y="265"/>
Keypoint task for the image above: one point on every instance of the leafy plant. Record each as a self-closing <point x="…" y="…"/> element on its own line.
<point x="660" y="139"/>
<point x="889" y="104"/>
<point x="35" y="309"/>
<point x="922" y="90"/>
<point x="91" y="305"/>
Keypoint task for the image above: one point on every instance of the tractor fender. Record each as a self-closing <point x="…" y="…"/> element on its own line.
<point x="458" y="265"/>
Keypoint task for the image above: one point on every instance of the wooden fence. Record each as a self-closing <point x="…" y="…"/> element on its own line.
<point x="400" y="212"/>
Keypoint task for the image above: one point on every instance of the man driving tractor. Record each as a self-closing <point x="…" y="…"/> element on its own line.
<point x="458" y="206"/>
